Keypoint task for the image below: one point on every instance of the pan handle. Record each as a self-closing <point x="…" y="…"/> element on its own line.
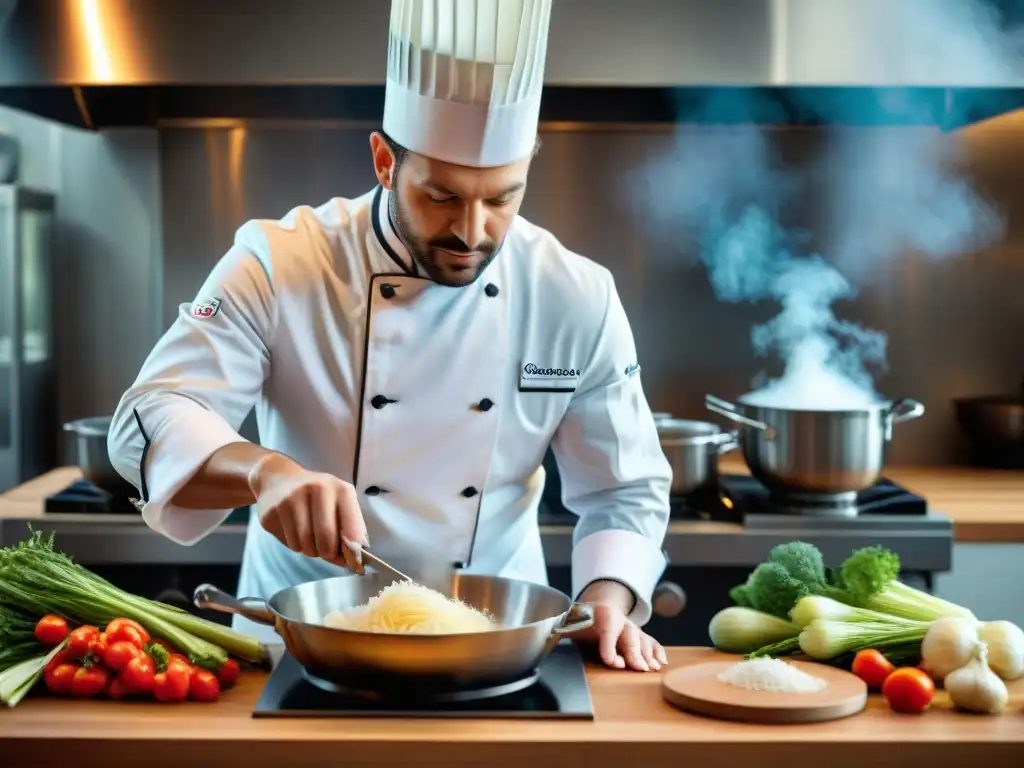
<point x="727" y="409"/>
<point x="252" y="608"/>
<point x="580" y="616"/>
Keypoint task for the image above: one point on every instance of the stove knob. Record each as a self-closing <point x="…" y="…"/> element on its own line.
<point x="668" y="600"/>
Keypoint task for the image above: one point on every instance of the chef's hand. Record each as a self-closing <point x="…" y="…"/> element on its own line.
<point x="620" y="642"/>
<point x="309" y="512"/>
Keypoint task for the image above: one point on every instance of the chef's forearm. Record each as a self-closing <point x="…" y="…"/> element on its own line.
<point x="222" y="481"/>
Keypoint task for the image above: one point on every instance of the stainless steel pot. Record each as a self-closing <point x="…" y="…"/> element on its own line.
<point x="92" y="458"/>
<point x="817" y="457"/>
<point x="693" y="448"/>
<point x="533" y="619"/>
<point x="993" y="426"/>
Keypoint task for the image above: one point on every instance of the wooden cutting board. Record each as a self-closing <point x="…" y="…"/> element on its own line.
<point x="697" y="689"/>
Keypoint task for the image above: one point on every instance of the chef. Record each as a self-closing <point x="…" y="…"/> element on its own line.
<point x="411" y="354"/>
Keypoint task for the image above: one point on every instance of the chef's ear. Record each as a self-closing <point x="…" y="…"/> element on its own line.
<point x="385" y="159"/>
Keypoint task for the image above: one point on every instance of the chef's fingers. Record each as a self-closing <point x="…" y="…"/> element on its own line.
<point x="350" y="516"/>
<point x="659" y="654"/>
<point x="272" y="524"/>
<point x="647" y="651"/>
<point x="285" y="517"/>
<point x="609" y="626"/>
<point x="352" y="555"/>
<point x="327" y="537"/>
<point x="301" y="514"/>
<point x="629" y="646"/>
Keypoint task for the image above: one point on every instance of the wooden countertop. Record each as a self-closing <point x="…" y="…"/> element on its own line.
<point x="986" y="505"/>
<point x="632" y="725"/>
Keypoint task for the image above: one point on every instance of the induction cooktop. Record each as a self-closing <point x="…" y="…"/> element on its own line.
<point x="560" y="692"/>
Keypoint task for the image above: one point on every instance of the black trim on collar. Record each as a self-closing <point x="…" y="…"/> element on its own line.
<point x="379" y="232"/>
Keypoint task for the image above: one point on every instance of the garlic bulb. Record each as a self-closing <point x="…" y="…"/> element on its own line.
<point x="975" y="687"/>
<point x="948" y="646"/>
<point x="1005" y="642"/>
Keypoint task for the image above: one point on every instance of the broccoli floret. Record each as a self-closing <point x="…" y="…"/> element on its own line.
<point x="870" y="580"/>
<point x="803" y="561"/>
<point x="868" y="571"/>
<point x="772" y="589"/>
<point x="739" y="596"/>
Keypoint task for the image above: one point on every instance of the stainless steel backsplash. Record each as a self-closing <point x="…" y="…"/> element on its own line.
<point x="954" y="327"/>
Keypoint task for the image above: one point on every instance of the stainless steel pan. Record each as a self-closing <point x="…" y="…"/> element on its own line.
<point x="532" y="618"/>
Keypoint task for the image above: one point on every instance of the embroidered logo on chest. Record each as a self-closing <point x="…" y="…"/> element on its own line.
<point x="545" y="378"/>
<point x="204" y="309"/>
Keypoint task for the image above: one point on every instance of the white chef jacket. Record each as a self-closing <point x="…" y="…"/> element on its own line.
<point x="437" y="403"/>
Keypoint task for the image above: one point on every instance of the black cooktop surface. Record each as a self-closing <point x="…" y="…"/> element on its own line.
<point x="561" y="692"/>
<point x="737" y="497"/>
<point x="750" y="497"/>
<point x="85" y="498"/>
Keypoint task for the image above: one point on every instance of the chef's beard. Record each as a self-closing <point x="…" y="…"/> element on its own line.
<point x="426" y="252"/>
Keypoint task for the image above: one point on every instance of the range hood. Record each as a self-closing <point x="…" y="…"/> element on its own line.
<point x="104" y="63"/>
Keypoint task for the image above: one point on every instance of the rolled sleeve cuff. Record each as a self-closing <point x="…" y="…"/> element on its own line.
<point x="623" y="556"/>
<point x="171" y="460"/>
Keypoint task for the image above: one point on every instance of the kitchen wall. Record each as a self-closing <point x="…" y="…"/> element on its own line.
<point x="107" y="255"/>
<point x="145" y="213"/>
<point x="955" y="327"/>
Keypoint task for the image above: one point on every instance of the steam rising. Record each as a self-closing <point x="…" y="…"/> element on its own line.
<point x="886" y="192"/>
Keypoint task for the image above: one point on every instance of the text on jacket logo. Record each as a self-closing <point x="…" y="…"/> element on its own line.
<point x="531" y="371"/>
<point x="204" y="309"/>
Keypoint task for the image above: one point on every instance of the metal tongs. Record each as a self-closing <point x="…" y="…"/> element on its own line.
<point x="362" y="556"/>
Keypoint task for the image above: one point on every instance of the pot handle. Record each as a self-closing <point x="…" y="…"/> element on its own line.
<point x="727" y="409"/>
<point x="728" y="441"/>
<point x="580" y="616"/>
<point x="252" y="608"/>
<point x="903" y="409"/>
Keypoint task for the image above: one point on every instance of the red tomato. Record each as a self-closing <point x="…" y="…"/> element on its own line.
<point x="908" y="690"/>
<point x="62" y="657"/>
<point x="98" y="646"/>
<point x="172" y="685"/>
<point x="872" y="667"/>
<point x="117" y="626"/>
<point x="227" y="674"/>
<point x="138" y="674"/>
<point x="129" y="634"/>
<point x="119" y="653"/>
<point x="203" y="686"/>
<point x="58" y="678"/>
<point x="89" y="681"/>
<point x="179" y="658"/>
<point x="51" y="630"/>
<point x="116" y="689"/>
<point x="79" y="639"/>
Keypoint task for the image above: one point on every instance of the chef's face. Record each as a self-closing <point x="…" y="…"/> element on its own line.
<point x="452" y="218"/>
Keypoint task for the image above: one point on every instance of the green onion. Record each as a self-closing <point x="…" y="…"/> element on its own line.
<point x="18" y="680"/>
<point x="37" y="580"/>
<point x="807" y="609"/>
<point x="823" y="639"/>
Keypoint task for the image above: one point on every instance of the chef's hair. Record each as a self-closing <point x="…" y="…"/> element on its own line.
<point x="400" y="152"/>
